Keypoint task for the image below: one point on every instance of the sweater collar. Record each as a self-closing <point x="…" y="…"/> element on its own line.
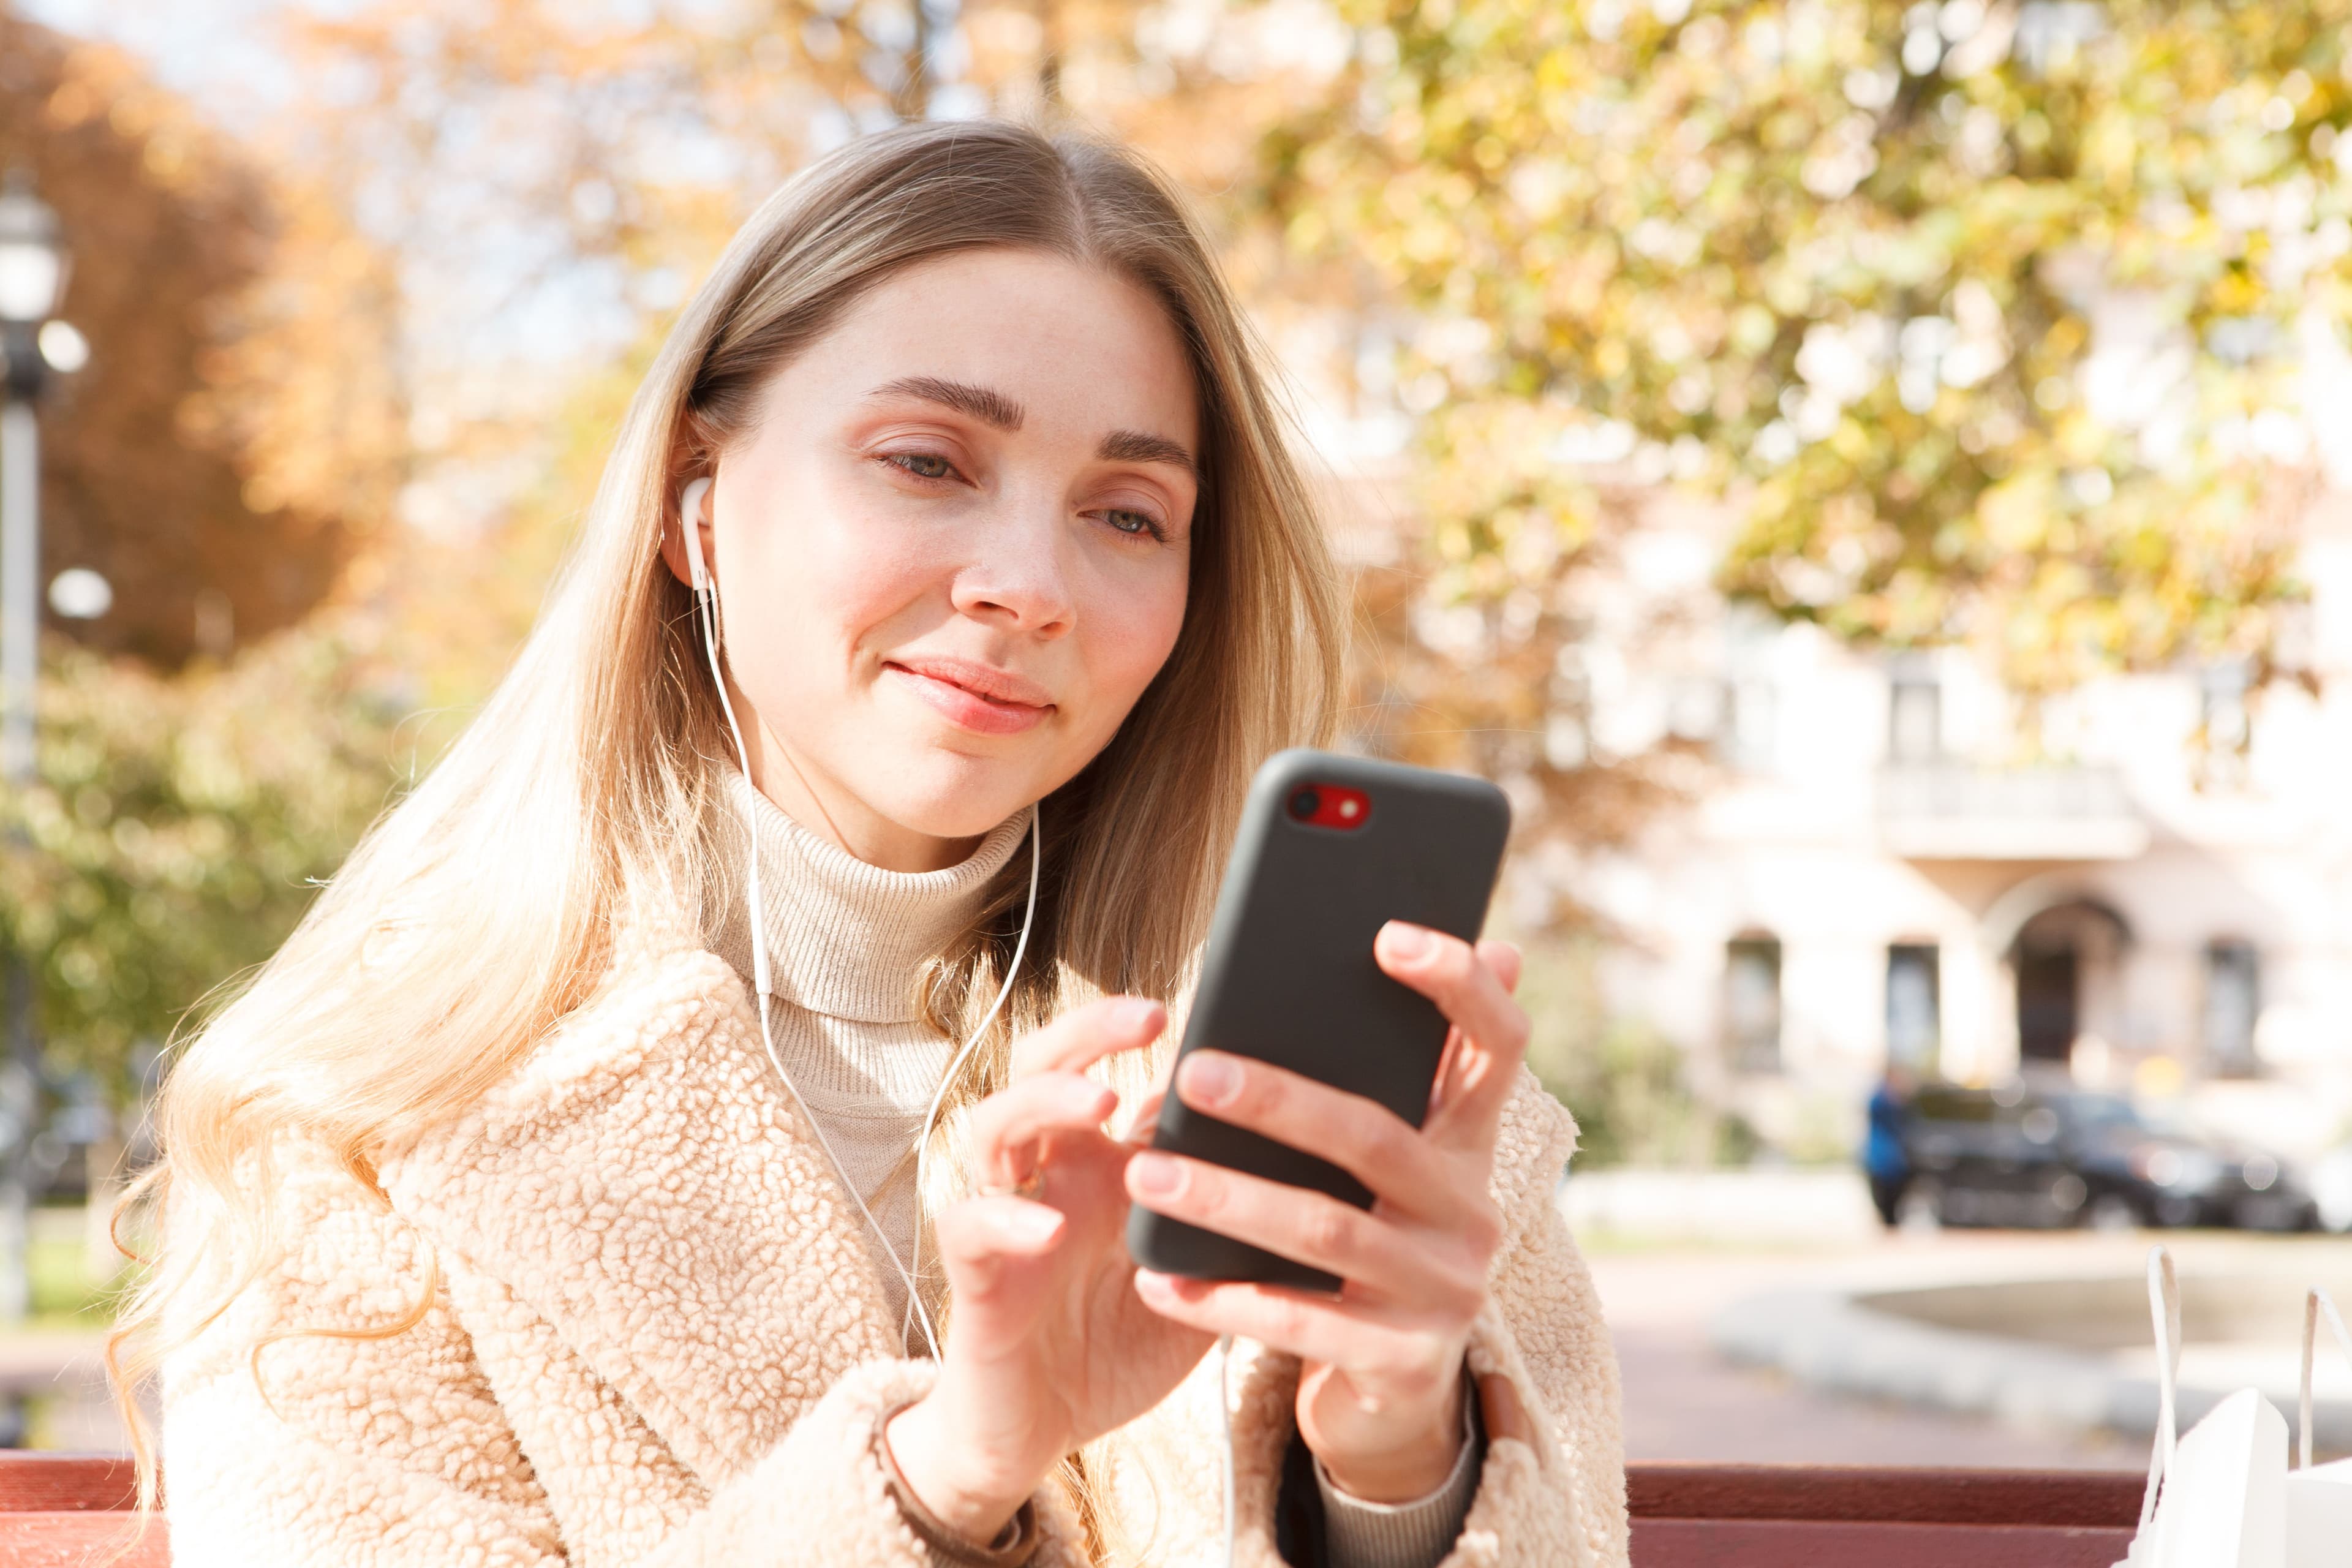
<point x="844" y="939"/>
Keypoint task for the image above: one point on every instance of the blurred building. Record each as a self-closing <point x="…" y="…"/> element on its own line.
<point x="2154" y="892"/>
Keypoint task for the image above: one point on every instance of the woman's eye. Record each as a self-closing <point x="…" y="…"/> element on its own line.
<point x="1132" y="522"/>
<point x="922" y="465"/>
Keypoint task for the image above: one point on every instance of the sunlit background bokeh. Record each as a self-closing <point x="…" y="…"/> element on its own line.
<point x="1872" y="480"/>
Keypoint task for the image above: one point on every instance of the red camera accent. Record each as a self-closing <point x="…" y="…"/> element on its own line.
<point x="1336" y="805"/>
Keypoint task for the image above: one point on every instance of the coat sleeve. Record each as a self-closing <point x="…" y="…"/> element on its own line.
<point x="1563" y="1499"/>
<point x="819" y="1496"/>
<point x="338" y="1449"/>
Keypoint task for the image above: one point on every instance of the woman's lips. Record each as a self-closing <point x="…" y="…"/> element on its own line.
<point x="973" y="697"/>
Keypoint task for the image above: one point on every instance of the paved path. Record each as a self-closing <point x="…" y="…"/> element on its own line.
<point x="63" y="1371"/>
<point x="1684" y="1402"/>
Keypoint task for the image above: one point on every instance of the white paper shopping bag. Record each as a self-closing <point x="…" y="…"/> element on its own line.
<point x="2216" y="1497"/>
<point x="2319" y="1516"/>
<point x="2319" y="1496"/>
<point x="2224" y="1503"/>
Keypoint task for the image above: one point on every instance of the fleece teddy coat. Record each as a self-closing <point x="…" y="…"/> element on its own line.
<point x="653" y="1335"/>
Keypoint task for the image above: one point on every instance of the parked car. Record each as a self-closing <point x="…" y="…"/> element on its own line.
<point x="2019" y="1155"/>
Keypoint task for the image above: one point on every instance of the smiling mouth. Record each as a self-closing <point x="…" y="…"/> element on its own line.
<point x="974" y="696"/>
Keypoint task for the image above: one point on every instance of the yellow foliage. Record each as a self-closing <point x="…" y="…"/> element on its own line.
<point x="1853" y="249"/>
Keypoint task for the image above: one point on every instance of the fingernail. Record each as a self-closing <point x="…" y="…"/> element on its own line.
<point x="1167" y="1289"/>
<point x="1139" y="1013"/>
<point x="1211" y="1080"/>
<point x="1156" y="1173"/>
<point x="1032" y="1223"/>
<point x="1405" y="940"/>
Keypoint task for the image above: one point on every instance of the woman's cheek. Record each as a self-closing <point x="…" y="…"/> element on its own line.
<point x="856" y="577"/>
<point x="1141" y="642"/>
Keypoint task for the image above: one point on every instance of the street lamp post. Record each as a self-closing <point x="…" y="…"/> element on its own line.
<point x="32" y="277"/>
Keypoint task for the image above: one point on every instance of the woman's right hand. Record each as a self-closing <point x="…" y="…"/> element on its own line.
<point x="1049" y="1346"/>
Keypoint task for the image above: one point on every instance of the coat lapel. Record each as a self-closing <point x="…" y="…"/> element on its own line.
<point x="645" y="1183"/>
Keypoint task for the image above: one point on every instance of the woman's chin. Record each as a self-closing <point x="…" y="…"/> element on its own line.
<point x="969" y="801"/>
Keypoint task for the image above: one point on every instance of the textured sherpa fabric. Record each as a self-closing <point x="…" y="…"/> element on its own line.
<point x="652" y="1334"/>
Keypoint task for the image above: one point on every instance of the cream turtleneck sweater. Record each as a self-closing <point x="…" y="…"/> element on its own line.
<point x="844" y="941"/>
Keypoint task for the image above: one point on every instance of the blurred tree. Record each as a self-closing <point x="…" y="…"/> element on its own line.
<point x="631" y="142"/>
<point x="234" y="434"/>
<point x="1471" y="648"/>
<point x="1995" y="321"/>
<point x="182" y="821"/>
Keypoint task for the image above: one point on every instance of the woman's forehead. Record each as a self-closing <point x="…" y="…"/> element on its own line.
<point x="1018" y="340"/>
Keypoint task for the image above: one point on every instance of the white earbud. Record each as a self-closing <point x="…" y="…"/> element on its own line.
<point x="689" y="522"/>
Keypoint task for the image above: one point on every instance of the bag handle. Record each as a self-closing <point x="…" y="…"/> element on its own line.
<point x="2314" y="1302"/>
<point x="2163" y="1308"/>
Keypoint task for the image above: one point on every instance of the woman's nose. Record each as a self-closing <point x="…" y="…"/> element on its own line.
<point x="1018" y="577"/>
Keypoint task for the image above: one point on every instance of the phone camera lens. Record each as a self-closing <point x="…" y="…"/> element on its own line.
<point x="1305" y="804"/>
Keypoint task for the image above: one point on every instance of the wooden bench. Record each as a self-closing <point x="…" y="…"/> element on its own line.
<point x="72" y="1510"/>
<point x="1822" y="1516"/>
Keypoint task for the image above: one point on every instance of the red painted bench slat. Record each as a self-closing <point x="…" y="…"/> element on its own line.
<point x="70" y="1511"/>
<point x="93" y="1538"/>
<point x="2106" y="1499"/>
<point x="36" y="1482"/>
<point x="1807" y="1543"/>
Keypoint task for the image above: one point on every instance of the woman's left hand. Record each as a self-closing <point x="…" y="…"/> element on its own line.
<point x="1381" y="1390"/>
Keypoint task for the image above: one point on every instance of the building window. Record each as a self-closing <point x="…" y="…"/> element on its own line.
<point x="1751" y="1002"/>
<point x="1746" y="739"/>
<point x="1914" y="1025"/>
<point x="2233" y="1001"/>
<point x="1914" y="716"/>
<point x="1747" y="736"/>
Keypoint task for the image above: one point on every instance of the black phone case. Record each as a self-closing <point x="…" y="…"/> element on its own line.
<point x="1289" y="977"/>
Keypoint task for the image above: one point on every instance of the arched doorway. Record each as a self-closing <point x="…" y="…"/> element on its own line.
<point x="2067" y="962"/>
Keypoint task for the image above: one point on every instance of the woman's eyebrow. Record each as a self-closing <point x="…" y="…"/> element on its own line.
<point x="992" y="408"/>
<point x="989" y="406"/>
<point x="1138" y="446"/>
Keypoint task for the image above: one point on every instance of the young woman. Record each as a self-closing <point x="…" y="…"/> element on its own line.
<point x="501" y="1228"/>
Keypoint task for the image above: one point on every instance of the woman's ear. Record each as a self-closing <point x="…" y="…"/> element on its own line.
<point x="674" y="541"/>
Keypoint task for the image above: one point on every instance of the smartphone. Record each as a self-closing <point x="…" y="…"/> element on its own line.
<point x="1331" y="849"/>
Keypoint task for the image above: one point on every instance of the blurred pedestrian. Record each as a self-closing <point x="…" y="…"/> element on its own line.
<point x="1885" y="1159"/>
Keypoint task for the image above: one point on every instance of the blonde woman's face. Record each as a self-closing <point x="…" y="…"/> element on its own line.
<point x="955" y="547"/>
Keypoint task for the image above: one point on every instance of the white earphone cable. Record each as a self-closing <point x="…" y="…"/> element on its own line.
<point x="955" y="1064"/>
<point x="706" y="599"/>
<point x="759" y="973"/>
<point x="1226" y="1414"/>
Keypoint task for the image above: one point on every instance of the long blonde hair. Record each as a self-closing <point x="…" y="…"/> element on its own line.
<point x="489" y="903"/>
